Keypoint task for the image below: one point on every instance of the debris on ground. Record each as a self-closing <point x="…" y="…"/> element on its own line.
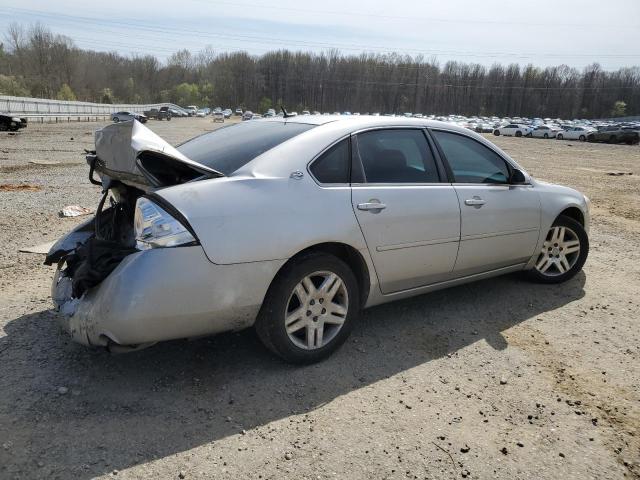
<point x="21" y="187"/>
<point x="44" y="162"/>
<point x="75" y="211"/>
<point x="619" y="174"/>
<point x="43" y="248"/>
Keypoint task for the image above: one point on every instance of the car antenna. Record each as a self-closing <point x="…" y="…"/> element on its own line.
<point x="284" y="111"/>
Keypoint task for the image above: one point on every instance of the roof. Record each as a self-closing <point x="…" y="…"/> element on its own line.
<point x="357" y="122"/>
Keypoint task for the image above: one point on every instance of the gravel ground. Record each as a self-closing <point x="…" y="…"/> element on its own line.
<point x="497" y="379"/>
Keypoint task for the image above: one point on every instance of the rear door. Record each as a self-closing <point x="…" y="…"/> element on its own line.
<point x="409" y="217"/>
<point x="500" y="222"/>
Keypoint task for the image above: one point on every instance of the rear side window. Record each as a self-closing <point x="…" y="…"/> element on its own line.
<point x="397" y="156"/>
<point x="470" y="161"/>
<point x="229" y="148"/>
<point x="333" y="165"/>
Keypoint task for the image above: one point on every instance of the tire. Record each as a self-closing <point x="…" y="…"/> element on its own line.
<point x="518" y="133"/>
<point x="559" y="136"/>
<point x="552" y="265"/>
<point x="303" y="345"/>
<point x="116" y="119"/>
<point x="168" y="118"/>
<point x="496" y="133"/>
<point x="582" y="138"/>
<point x="546" y="135"/>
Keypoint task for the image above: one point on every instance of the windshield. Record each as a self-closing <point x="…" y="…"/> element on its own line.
<point x="230" y="148"/>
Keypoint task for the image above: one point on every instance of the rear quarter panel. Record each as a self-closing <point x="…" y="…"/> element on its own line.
<point x="257" y="218"/>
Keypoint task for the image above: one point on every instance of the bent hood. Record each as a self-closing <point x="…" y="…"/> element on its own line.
<point x="133" y="154"/>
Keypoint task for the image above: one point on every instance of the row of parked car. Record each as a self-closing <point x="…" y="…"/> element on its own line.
<point x="581" y="130"/>
<point x="628" y="133"/>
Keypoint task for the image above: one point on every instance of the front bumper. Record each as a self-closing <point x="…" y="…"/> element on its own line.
<point x="164" y="294"/>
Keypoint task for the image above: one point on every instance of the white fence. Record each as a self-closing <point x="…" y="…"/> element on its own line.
<point x="40" y="108"/>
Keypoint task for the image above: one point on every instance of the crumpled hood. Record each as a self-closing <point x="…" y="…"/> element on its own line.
<point x="132" y="153"/>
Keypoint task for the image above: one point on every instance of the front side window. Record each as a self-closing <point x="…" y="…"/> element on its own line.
<point x="397" y="156"/>
<point x="470" y="161"/>
<point x="333" y="165"/>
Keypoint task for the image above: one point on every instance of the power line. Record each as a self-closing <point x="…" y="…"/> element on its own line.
<point x="256" y="39"/>
<point x="411" y="18"/>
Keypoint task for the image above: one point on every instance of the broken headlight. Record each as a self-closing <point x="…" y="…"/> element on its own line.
<point x="155" y="227"/>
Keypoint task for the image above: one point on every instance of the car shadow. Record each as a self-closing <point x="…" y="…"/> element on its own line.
<point x="123" y="410"/>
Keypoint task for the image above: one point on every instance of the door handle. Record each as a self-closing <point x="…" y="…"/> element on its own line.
<point x="474" y="202"/>
<point x="371" y="206"/>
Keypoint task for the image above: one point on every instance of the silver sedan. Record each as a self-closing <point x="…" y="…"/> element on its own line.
<point x="293" y="225"/>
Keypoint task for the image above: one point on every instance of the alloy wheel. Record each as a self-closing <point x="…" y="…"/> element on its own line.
<point x="316" y="310"/>
<point x="559" y="253"/>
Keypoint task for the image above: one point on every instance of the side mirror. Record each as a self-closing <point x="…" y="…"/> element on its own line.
<point x="517" y="177"/>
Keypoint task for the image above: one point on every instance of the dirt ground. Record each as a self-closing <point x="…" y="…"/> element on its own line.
<point x="497" y="379"/>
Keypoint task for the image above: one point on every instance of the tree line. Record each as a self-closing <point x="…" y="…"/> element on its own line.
<point x="37" y="62"/>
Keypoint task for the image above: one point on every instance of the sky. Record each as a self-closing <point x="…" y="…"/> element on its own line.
<point x="571" y="32"/>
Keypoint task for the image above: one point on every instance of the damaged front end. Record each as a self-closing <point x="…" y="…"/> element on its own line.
<point x="131" y="162"/>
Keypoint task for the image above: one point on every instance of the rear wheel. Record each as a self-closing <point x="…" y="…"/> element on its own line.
<point x="309" y="309"/>
<point x="582" y="138"/>
<point x="518" y="133"/>
<point x="563" y="252"/>
<point x="116" y="119"/>
<point x="496" y="133"/>
<point x="546" y="135"/>
<point x="559" y="136"/>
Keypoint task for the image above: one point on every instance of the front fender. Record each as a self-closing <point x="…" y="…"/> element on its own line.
<point x="555" y="199"/>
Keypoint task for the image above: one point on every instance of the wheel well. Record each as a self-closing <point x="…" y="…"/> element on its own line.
<point x="575" y="213"/>
<point x="348" y="255"/>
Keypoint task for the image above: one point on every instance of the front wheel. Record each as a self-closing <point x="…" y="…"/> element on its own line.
<point x="563" y="252"/>
<point x="116" y="119"/>
<point x="496" y="133"/>
<point x="518" y="133"/>
<point x="582" y="138"/>
<point x="546" y="135"/>
<point x="559" y="136"/>
<point x="310" y="309"/>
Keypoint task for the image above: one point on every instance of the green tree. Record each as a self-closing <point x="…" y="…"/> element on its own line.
<point x="619" y="109"/>
<point x="12" y="86"/>
<point x="206" y="94"/>
<point x="130" y="89"/>
<point x="264" y="105"/>
<point x="107" y="95"/>
<point x="186" y="94"/>
<point x="65" y="93"/>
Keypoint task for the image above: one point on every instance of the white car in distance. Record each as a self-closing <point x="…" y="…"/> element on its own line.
<point x="575" y="133"/>
<point x="545" y="131"/>
<point x="514" y="130"/>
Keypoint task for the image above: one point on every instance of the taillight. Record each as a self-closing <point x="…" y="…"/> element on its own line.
<point x="156" y="228"/>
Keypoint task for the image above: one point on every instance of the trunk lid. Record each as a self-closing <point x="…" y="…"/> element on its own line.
<point x="133" y="154"/>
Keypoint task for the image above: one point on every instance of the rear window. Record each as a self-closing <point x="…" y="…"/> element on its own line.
<point x="230" y="148"/>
